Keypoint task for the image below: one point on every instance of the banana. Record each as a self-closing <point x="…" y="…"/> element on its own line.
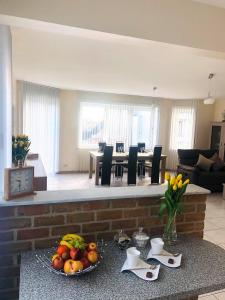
<point x="72" y="236"/>
<point x="65" y="243"/>
<point x="69" y="240"/>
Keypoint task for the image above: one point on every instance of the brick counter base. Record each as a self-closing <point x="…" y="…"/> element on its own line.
<point x="39" y="226"/>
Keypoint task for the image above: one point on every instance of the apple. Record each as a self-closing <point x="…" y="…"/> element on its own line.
<point x="66" y="255"/>
<point x="85" y="253"/>
<point x="61" y="249"/>
<point x="75" y="253"/>
<point x="92" y="246"/>
<point x="85" y="262"/>
<point x="54" y="256"/>
<point x="58" y="263"/>
<point x="72" y="266"/>
<point x="92" y="256"/>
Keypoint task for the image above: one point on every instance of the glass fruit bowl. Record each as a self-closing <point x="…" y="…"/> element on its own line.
<point x="45" y="258"/>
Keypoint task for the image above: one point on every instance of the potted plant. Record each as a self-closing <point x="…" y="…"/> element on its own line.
<point x="172" y="203"/>
<point x="20" y="149"/>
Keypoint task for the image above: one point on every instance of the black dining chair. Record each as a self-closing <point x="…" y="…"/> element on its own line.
<point x="132" y="165"/>
<point x="141" y="147"/>
<point x="141" y="167"/>
<point x="106" y="165"/>
<point x="101" y="146"/>
<point x="155" y="166"/>
<point x="119" y="146"/>
<point x="118" y="164"/>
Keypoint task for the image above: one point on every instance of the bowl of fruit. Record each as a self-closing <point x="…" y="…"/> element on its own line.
<point x="72" y="256"/>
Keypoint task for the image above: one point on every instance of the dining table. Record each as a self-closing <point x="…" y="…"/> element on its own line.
<point x="96" y="158"/>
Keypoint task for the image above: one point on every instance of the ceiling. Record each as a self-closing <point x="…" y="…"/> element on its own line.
<point x="111" y="63"/>
<point x="219" y="3"/>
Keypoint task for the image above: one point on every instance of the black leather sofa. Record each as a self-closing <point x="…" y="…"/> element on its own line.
<point x="212" y="180"/>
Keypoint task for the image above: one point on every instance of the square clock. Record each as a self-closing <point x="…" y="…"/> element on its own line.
<point x="18" y="182"/>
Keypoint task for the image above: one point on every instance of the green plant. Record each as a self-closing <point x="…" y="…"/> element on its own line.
<point x="20" y="148"/>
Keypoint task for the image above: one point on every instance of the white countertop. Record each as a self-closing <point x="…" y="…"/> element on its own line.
<point x="97" y="193"/>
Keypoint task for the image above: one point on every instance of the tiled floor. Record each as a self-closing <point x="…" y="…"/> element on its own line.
<point x="69" y="181"/>
<point x="215" y="232"/>
<point x="215" y="212"/>
<point x="81" y="181"/>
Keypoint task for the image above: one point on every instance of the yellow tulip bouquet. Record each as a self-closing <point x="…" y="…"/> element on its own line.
<point x="172" y="203"/>
<point x="20" y="148"/>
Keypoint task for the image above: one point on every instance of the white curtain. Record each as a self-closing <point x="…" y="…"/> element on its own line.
<point x="118" y="122"/>
<point x="41" y="122"/>
<point x="181" y="132"/>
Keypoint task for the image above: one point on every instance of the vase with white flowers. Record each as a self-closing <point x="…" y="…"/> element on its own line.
<point x="172" y="203"/>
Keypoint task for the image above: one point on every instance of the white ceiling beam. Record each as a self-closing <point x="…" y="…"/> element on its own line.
<point x="181" y="22"/>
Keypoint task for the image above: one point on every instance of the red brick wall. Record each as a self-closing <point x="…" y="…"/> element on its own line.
<point x="39" y="226"/>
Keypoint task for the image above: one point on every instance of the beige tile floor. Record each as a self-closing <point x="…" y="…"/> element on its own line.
<point x="81" y="181"/>
<point x="214" y="230"/>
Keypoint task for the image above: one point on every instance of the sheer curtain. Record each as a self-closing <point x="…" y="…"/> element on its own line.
<point x="118" y="122"/>
<point x="145" y="125"/>
<point x="181" y="132"/>
<point x="41" y="122"/>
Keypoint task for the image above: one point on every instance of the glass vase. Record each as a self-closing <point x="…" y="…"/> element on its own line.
<point x="20" y="163"/>
<point x="170" y="232"/>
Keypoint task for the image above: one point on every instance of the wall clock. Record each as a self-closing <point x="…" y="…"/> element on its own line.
<point x="18" y="182"/>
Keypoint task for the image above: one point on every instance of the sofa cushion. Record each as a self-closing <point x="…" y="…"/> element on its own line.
<point x="218" y="165"/>
<point x="214" y="157"/>
<point x="187" y="168"/>
<point x="190" y="156"/>
<point x="204" y="163"/>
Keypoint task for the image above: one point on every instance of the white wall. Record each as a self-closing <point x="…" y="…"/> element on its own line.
<point x="219" y="108"/>
<point x="205" y="115"/>
<point x="68" y="130"/>
<point x="5" y="101"/>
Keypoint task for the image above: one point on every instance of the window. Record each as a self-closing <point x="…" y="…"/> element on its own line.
<point x="91" y="124"/>
<point x="145" y="126"/>
<point x="118" y="122"/>
<point x="182" y="128"/>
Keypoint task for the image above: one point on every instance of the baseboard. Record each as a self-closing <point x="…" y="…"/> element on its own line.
<point x="72" y="172"/>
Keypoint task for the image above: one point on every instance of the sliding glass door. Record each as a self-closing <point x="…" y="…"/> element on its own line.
<point x="41" y="122"/>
